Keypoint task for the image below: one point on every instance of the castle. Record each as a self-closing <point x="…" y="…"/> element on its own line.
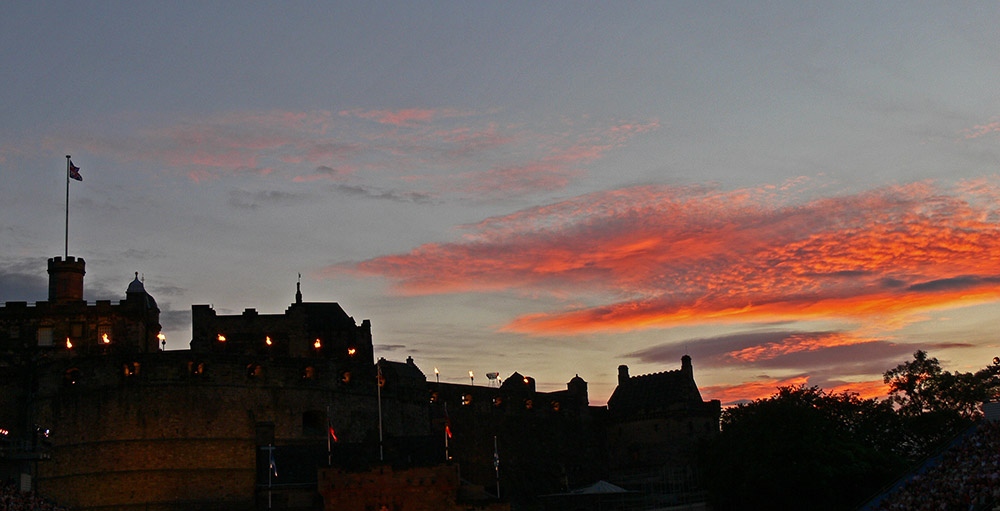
<point x="292" y="411"/>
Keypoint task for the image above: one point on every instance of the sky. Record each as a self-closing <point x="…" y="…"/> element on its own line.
<point x="789" y="192"/>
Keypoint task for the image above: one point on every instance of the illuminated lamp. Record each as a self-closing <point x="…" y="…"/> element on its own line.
<point x="105" y="340"/>
<point x="437" y="375"/>
<point x="267" y="340"/>
<point x="221" y="338"/>
<point x="996" y="360"/>
<point x="161" y="337"/>
<point x="472" y="378"/>
<point x="4" y="432"/>
<point x="69" y="344"/>
<point x="351" y="351"/>
<point x="317" y="344"/>
<point x="525" y="380"/>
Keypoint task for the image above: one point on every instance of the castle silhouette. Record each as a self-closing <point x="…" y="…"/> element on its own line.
<point x="292" y="411"/>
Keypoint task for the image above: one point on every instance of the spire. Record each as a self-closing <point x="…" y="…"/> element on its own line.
<point x="298" y="290"/>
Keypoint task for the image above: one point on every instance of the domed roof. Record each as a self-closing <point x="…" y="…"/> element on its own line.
<point x="136" y="286"/>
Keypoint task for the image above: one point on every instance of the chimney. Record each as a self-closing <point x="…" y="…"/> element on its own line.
<point x="622" y="374"/>
<point x="66" y="279"/>
<point x="686" y="366"/>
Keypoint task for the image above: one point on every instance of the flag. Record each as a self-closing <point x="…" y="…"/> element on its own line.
<point x="447" y="421"/>
<point x="333" y="435"/>
<point x="74" y="172"/>
<point x="272" y="465"/>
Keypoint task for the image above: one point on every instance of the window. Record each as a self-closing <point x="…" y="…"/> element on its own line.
<point x="71" y="377"/>
<point x="308" y="373"/>
<point x="255" y="371"/>
<point x="104" y="330"/>
<point x="313" y="423"/>
<point x="131" y="369"/>
<point x="196" y="368"/>
<point x="45" y="336"/>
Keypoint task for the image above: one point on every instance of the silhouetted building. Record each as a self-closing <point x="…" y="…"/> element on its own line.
<point x="292" y="411"/>
<point x="657" y="422"/>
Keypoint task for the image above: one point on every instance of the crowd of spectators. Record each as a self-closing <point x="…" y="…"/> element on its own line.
<point x="13" y="499"/>
<point x="966" y="479"/>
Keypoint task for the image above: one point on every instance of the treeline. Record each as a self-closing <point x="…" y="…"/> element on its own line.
<point x="804" y="448"/>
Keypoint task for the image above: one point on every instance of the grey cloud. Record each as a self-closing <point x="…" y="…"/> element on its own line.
<point x="23" y="287"/>
<point x="371" y="193"/>
<point x="953" y="283"/>
<point x="173" y="319"/>
<point x="252" y="200"/>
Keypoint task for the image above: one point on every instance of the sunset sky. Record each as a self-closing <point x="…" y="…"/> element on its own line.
<point x="791" y="193"/>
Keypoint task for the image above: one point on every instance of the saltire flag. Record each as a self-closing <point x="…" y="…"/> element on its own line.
<point x="447" y="421"/>
<point x="74" y="172"/>
<point x="333" y="434"/>
<point x="272" y="465"/>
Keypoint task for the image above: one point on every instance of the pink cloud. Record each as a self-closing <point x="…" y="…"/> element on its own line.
<point x="405" y="117"/>
<point x="981" y="130"/>
<point x="659" y="256"/>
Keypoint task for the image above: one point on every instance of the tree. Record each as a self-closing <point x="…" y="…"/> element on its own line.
<point x="920" y="386"/>
<point x="802" y="448"/>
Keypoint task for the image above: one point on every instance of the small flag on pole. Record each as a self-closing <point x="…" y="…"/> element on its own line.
<point x="447" y="422"/>
<point x="74" y="172"/>
<point x="333" y="435"/>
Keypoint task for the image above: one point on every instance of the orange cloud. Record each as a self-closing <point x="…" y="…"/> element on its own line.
<point x="658" y="256"/>
<point x="766" y="387"/>
<point x="864" y="389"/>
<point x="748" y="391"/>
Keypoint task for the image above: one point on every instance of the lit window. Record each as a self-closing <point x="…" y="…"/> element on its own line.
<point x="317" y="344"/>
<point x="467" y="399"/>
<point x="71" y="376"/>
<point x="104" y="334"/>
<point x="308" y="373"/>
<point x="351" y="351"/>
<point x="221" y="338"/>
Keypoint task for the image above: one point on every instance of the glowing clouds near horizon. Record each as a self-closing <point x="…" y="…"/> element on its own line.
<point x="660" y="256"/>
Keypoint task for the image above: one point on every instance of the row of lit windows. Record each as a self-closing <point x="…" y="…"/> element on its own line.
<point x="497" y="401"/>
<point x="104" y="333"/>
<point x="317" y="344"/>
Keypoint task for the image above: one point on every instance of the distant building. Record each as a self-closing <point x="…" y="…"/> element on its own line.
<point x="657" y="422"/>
<point x="291" y="411"/>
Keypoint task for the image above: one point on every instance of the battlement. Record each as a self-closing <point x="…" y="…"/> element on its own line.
<point x="66" y="279"/>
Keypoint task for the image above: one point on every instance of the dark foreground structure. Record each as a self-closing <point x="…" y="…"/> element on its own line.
<point x="291" y="411"/>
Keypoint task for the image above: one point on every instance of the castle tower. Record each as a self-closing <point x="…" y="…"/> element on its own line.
<point x="66" y="279"/>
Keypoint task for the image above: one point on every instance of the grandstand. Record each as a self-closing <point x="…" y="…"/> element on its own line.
<point x="965" y="476"/>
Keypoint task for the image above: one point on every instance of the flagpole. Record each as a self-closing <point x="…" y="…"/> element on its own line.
<point x="496" y="464"/>
<point x="378" y="385"/>
<point x="67" y="208"/>
<point x="329" y="446"/>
